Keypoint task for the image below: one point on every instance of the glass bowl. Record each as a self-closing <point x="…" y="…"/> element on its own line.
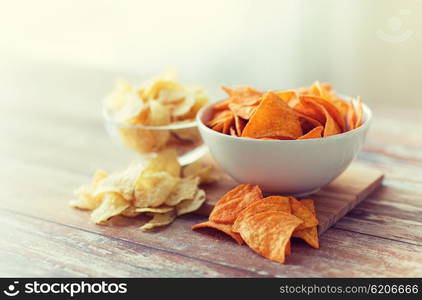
<point x="184" y="137"/>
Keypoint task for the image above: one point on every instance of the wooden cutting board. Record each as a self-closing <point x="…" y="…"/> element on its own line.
<point x="332" y="202"/>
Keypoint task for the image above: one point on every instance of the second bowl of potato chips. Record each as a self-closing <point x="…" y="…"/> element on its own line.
<point x="156" y="115"/>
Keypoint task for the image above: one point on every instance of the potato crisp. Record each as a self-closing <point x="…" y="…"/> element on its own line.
<point x="139" y="111"/>
<point x="307" y="113"/>
<point x="161" y="189"/>
<point x="266" y="225"/>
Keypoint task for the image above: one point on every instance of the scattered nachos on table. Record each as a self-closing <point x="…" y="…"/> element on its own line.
<point x="307" y="113"/>
<point x="161" y="189"/>
<point x="266" y="225"/>
<point x="139" y="111"/>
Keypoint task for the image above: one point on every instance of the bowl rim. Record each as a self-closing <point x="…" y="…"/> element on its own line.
<point x="173" y="126"/>
<point x="367" y="117"/>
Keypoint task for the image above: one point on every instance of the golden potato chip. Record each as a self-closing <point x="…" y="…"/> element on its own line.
<point x="278" y="203"/>
<point x="164" y="161"/>
<point x="203" y="171"/>
<point x="84" y="195"/>
<point x="310" y="234"/>
<point x="268" y="233"/>
<point x="312" y="134"/>
<point x="232" y="203"/>
<point x="273" y="118"/>
<point x="185" y="189"/>
<point x="112" y="205"/>
<point x="184" y="106"/>
<point x="187" y="134"/>
<point x="120" y="182"/>
<point x="156" y="210"/>
<point x="153" y="189"/>
<point x="303" y="213"/>
<point x="130" y="212"/>
<point x="226" y="228"/>
<point x="159" y="219"/>
<point x="190" y="205"/>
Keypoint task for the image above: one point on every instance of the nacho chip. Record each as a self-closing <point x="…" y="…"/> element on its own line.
<point x="243" y="111"/>
<point x="112" y="205"/>
<point x="275" y="203"/>
<point x="232" y="203"/>
<point x="185" y="189"/>
<point x="268" y="233"/>
<point x="310" y="234"/>
<point x="226" y="228"/>
<point x="239" y="125"/>
<point x="244" y="95"/>
<point x="158" y="220"/>
<point x="359" y="113"/>
<point x="312" y="134"/>
<point x="223" y="105"/>
<point x="190" y="205"/>
<point x="329" y="107"/>
<point x="304" y="213"/>
<point x="286" y="96"/>
<point x="351" y="116"/>
<point x="272" y="118"/>
<point x="233" y="131"/>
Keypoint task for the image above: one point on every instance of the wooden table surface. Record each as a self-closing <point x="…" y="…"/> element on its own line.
<point x="53" y="140"/>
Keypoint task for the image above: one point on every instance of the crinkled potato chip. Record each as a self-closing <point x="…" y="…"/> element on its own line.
<point x="204" y="172"/>
<point x="156" y="210"/>
<point x="273" y="118"/>
<point x="120" y="182"/>
<point x="157" y="102"/>
<point x="226" y="228"/>
<point x="84" y="195"/>
<point x="112" y="205"/>
<point x="232" y="203"/>
<point x="185" y="189"/>
<point x="165" y="161"/>
<point x="159" y="219"/>
<point x="278" y="203"/>
<point x="268" y="233"/>
<point x="153" y="189"/>
<point x="190" y="205"/>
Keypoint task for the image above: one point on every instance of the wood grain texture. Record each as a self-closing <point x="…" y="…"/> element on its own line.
<point x="332" y="202"/>
<point x="53" y="140"/>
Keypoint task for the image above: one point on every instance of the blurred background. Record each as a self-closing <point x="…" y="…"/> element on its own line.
<point x="66" y="49"/>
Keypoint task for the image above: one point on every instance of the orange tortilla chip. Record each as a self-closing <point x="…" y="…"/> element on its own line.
<point x="244" y="95"/>
<point x="278" y="203"/>
<point x="330" y="108"/>
<point x="272" y="118"/>
<point x="268" y="233"/>
<point x="351" y="115"/>
<point x="303" y="213"/>
<point x="308" y="123"/>
<point x="239" y="124"/>
<point x="218" y="127"/>
<point x="233" y="202"/>
<point x="330" y="127"/>
<point x="359" y="113"/>
<point x="313" y="134"/>
<point x="243" y="111"/>
<point x="223" y="105"/>
<point x="226" y="228"/>
<point x="233" y="131"/>
<point x="309" y="235"/>
<point x="286" y="96"/>
<point x="227" y="125"/>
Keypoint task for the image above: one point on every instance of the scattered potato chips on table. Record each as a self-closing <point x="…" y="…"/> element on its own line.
<point x="161" y="189"/>
<point x="266" y="225"/>
<point x="307" y="113"/>
<point x="139" y="111"/>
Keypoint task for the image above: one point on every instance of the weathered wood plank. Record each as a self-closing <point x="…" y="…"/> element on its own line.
<point x="33" y="247"/>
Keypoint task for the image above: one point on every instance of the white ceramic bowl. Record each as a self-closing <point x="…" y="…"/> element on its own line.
<point x="293" y="167"/>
